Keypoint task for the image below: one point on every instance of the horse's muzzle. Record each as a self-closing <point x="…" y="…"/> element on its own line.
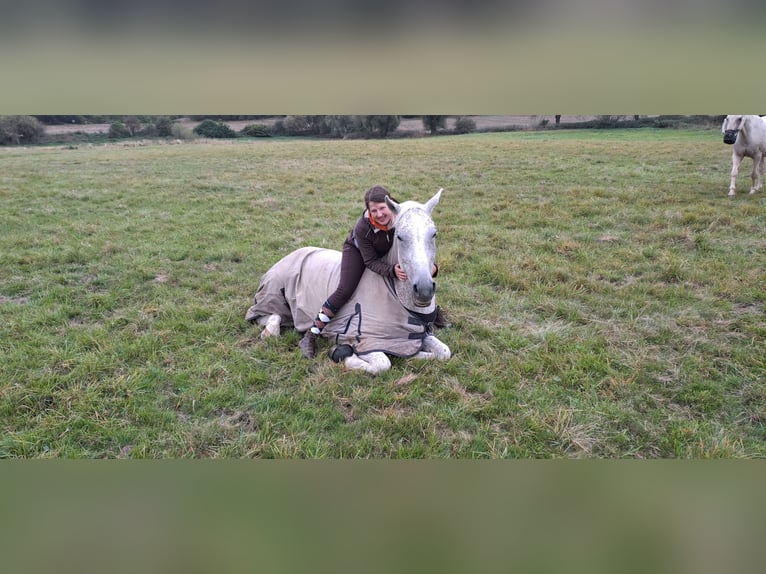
<point x="424" y="294"/>
<point x="730" y="136"/>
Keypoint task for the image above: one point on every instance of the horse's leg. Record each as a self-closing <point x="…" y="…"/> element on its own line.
<point x="757" y="173"/>
<point x="735" y="161"/>
<point x="433" y="348"/>
<point x="270" y="324"/>
<point x="372" y="363"/>
<point x="754" y="174"/>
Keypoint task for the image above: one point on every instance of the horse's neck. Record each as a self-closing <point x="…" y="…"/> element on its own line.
<point x="404" y="290"/>
<point x="751" y="126"/>
<point x="392" y="257"/>
<point x="750" y="134"/>
<point x="744" y="127"/>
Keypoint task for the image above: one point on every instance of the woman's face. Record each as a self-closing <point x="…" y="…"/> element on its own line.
<point x="381" y="213"/>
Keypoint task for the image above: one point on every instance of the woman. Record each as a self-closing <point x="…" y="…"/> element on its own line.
<point x="365" y="247"/>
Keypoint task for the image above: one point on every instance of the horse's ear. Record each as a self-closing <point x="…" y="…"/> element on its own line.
<point x="431" y="203"/>
<point x="392" y="205"/>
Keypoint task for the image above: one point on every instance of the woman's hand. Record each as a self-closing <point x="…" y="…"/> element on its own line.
<point x="400" y="274"/>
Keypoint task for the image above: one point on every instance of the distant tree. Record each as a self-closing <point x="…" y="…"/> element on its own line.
<point x="380" y="126"/>
<point x="464" y="125"/>
<point x="20" y="130"/>
<point x="558" y="119"/>
<point x="296" y="126"/>
<point x="214" y="129"/>
<point x="256" y="131"/>
<point x="133" y="124"/>
<point x="164" y="127"/>
<point x="304" y="126"/>
<point x="181" y="131"/>
<point x="340" y="126"/>
<point x="434" y="123"/>
<point x="317" y="125"/>
<point x="118" y="130"/>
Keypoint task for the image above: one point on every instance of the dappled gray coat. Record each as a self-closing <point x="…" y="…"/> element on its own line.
<point x="373" y="319"/>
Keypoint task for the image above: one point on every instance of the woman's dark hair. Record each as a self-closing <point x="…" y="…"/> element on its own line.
<point x="376" y="194"/>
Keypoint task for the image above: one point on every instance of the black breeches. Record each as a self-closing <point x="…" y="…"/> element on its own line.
<point x="351" y="269"/>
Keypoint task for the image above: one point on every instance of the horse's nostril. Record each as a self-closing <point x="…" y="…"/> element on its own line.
<point x="415" y="287"/>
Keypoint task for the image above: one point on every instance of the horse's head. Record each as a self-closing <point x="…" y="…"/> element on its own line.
<point x="416" y="245"/>
<point x="730" y="128"/>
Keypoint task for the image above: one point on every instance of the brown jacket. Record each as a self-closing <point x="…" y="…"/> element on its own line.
<point x="373" y="244"/>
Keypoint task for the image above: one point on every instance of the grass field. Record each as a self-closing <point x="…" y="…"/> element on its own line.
<point x="608" y="299"/>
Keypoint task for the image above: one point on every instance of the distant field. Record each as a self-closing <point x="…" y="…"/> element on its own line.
<point x="608" y="300"/>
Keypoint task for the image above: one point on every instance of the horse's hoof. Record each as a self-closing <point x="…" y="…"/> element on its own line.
<point x="269" y="331"/>
<point x="340" y="352"/>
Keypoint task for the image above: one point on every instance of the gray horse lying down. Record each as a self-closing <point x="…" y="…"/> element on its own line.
<point x="383" y="317"/>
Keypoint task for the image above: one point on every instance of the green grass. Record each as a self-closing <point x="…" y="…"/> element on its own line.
<point x="608" y="300"/>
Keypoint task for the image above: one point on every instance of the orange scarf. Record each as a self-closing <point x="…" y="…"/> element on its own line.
<point x="375" y="223"/>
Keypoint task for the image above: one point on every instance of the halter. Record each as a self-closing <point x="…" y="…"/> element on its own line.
<point x="409" y="294"/>
<point x="730" y="136"/>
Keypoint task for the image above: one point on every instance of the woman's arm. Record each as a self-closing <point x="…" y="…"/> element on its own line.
<point x="363" y="241"/>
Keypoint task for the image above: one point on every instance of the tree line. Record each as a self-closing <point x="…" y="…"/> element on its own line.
<point x="15" y="130"/>
<point x="18" y="130"/>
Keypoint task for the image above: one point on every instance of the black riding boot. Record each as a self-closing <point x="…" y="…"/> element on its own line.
<point x="308" y="344"/>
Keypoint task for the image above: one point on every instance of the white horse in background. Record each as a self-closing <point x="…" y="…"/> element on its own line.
<point x="384" y="317"/>
<point x="748" y="135"/>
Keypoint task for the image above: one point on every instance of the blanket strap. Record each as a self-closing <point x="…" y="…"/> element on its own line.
<point x="416" y="318"/>
<point x="357" y="313"/>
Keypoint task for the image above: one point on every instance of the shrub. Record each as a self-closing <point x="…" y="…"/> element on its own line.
<point x="464" y="125"/>
<point x="305" y="125"/>
<point x="434" y="123"/>
<point x="607" y="122"/>
<point x="148" y="131"/>
<point x="214" y="129"/>
<point x="380" y="126"/>
<point x="279" y="128"/>
<point x="319" y="125"/>
<point x="181" y="132"/>
<point x="134" y="124"/>
<point x="118" y="130"/>
<point x="20" y="130"/>
<point x="256" y="131"/>
<point x="340" y="126"/>
<point x="295" y="126"/>
<point x="164" y="126"/>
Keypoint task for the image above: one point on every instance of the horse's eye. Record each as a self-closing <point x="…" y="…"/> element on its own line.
<point x="400" y="237"/>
